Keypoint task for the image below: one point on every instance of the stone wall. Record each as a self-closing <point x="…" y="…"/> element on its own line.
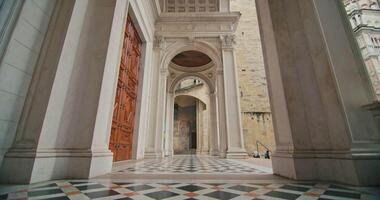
<point x="255" y="107"/>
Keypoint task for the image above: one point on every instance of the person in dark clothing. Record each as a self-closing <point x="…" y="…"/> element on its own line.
<point x="267" y="155"/>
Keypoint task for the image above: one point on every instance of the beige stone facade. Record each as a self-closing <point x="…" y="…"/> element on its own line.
<point x="255" y="108"/>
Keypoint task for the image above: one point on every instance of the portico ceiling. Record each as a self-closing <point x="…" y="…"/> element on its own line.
<point x="191" y="59"/>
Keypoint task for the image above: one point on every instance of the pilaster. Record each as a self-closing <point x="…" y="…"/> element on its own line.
<point x="62" y="107"/>
<point x="235" y="141"/>
<point x="214" y="134"/>
<point x="318" y="87"/>
<point x="154" y="146"/>
<point x="169" y="125"/>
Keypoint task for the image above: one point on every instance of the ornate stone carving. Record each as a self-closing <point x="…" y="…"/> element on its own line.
<point x="228" y="41"/>
<point x="159" y="42"/>
<point x="209" y="25"/>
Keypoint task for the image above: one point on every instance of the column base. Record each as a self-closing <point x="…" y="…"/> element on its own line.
<point x="153" y="154"/>
<point x="169" y="153"/>
<point x="344" y="167"/>
<point x="237" y="154"/>
<point x="214" y="152"/>
<point x="223" y="154"/>
<point x="33" y="166"/>
<point x="204" y="152"/>
<point x="198" y="151"/>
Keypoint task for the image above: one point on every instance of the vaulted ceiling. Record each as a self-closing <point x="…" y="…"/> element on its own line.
<point x="191" y="59"/>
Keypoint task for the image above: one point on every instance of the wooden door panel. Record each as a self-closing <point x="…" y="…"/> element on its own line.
<point x="125" y="101"/>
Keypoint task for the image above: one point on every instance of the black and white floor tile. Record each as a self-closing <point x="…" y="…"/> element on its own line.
<point x="193" y="164"/>
<point x="76" y="190"/>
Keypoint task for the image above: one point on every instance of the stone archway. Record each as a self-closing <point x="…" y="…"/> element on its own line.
<point x="206" y="74"/>
<point x="228" y="135"/>
<point x="191" y="127"/>
<point x="211" y="103"/>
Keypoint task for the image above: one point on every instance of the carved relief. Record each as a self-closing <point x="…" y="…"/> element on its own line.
<point x="185" y="6"/>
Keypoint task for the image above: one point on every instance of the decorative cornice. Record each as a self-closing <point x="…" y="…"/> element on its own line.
<point x="195" y="25"/>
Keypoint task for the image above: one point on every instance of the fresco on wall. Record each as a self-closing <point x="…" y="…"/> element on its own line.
<point x="184" y="125"/>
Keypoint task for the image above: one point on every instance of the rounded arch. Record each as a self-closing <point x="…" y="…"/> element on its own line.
<point x="183" y="76"/>
<point x="197" y="45"/>
<point x="189" y="95"/>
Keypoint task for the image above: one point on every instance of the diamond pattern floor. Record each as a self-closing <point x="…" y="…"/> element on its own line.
<point x="192" y="164"/>
<point x="169" y="188"/>
<point x="73" y="190"/>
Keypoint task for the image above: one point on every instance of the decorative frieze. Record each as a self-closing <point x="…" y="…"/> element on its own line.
<point x="191" y="6"/>
<point x="203" y="24"/>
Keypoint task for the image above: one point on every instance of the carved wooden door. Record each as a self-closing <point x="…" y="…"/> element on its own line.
<point x="125" y="103"/>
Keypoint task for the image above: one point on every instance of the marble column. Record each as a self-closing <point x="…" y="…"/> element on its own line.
<point x="198" y="118"/>
<point x="161" y="112"/>
<point x="235" y="140"/>
<point x="318" y="87"/>
<point x="57" y="137"/>
<point x="169" y="125"/>
<point x="154" y="138"/>
<point x="205" y="129"/>
<point x="220" y="114"/>
<point x="214" y="136"/>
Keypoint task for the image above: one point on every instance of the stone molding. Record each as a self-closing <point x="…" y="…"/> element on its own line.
<point x="190" y="25"/>
<point x="46" y="153"/>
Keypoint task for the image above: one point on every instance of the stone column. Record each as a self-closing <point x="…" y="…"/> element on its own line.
<point x="318" y="87"/>
<point x="169" y="124"/>
<point x="161" y="112"/>
<point x="57" y="137"/>
<point x="154" y="137"/>
<point x="220" y="114"/>
<point x="205" y="130"/>
<point x="235" y="141"/>
<point x="214" y="136"/>
<point x="199" y="125"/>
<point x="142" y="103"/>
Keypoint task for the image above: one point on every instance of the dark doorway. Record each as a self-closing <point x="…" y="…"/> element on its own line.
<point x="193" y="140"/>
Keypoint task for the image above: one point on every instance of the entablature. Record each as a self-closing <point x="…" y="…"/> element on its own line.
<point x="197" y="24"/>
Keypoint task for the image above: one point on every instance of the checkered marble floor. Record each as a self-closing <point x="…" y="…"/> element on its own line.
<point x="66" y="190"/>
<point x="193" y="164"/>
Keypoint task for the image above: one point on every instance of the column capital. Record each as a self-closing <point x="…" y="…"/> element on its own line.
<point x="228" y="41"/>
<point x="159" y="42"/>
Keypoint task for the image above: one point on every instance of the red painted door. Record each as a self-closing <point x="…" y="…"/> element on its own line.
<point x="125" y="103"/>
